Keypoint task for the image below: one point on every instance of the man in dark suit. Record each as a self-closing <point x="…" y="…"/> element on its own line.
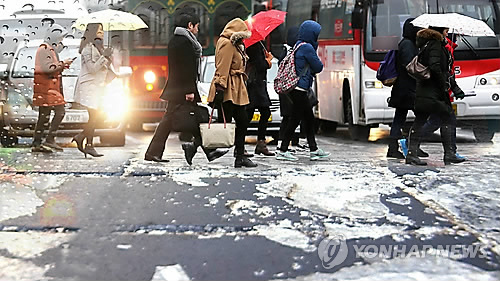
<point x="184" y="54"/>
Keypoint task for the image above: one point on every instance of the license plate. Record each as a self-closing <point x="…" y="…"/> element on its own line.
<point x="455" y="108"/>
<point x="75" y="118"/>
<point x="256" y="117"/>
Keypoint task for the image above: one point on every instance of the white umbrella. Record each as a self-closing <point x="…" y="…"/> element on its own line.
<point x="111" y="20"/>
<point x="457" y="23"/>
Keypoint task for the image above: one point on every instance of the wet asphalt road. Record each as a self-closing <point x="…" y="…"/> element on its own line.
<point x="64" y="217"/>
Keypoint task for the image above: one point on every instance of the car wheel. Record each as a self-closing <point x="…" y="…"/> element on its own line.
<point x="8" y="140"/>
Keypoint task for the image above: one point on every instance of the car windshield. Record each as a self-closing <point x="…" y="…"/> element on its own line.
<point x="386" y="19"/>
<point x="24" y="63"/>
<point x="210" y="71"/>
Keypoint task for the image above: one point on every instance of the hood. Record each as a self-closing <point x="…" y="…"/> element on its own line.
<point x="425" y="35"/>
<point x="409" y="30"/>
<point x="236" y="30"/>
<point x="309" y="31"/>
<point x="54" y="35"/>
<point x="291" y="36"/>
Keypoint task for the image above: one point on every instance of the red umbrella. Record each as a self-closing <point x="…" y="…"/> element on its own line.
<point x="262" y="24"/>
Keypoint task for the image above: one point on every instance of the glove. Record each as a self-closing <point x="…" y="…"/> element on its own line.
<point x="460" y="95"/>
<point x="219" y="95"/>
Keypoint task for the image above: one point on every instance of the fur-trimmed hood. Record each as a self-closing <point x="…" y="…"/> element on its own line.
<point x="425" y="35"/>
<point x="236" y="30"/>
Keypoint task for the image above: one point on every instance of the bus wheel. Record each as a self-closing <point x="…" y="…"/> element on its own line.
<point x="482" y="132"/>
<point x="357" y="132"/>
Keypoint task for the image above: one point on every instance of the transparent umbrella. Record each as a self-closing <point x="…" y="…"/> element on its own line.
<point x="457" y="23"/>
<point x="111" y="20"/>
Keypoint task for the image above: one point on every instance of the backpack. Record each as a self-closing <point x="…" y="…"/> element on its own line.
<point x="287" y="79"/>
<point x="387" y="72"/>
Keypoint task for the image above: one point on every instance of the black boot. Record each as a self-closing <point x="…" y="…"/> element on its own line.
<point x="246" y="154"/>
<point x="79" y="141"/>
<point x="393" y="151"/>
<point x="242" y="161"/>
<point x="412" y="157"/>
<point x="89" y="149"/>
<point x="189" y="151"/>
<point x="450" y="155"/>
<point x="213" y="154"/>
<point x="261" y="148"/>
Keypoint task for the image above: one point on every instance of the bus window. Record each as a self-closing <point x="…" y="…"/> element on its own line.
<point x="335" y="19"/>
<point x="299" y="11"/>
<point x="225" y="13"/>
<point x="159" y="29"/>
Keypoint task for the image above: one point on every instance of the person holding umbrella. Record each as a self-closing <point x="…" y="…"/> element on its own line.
<point x="258" y="64"/>
<point x="432" y="94"/>
<point x="96" y="63"/>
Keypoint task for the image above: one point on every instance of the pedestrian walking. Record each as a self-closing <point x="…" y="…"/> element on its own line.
<point x="181" y="90"/>
<point x="307" y="64"/>
<point x="95" y="73"/>
<point x="403" y="91"/>
<point x="228" y="85"/>
<point x="48" y="88"/>
<point x="258" y="64"/>
<point x="432" y="94"/>
<point x="434" y="122"/>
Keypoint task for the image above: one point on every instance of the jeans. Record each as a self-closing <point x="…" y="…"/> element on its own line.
<point x="398" y="123"/>
<point x="265" y="113"/>
<point x="302" y="111"/>
<point x="43" y="123"/>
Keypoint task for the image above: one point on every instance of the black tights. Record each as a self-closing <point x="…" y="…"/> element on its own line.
<point x="265" y="113"/>
<point x="240" y="116"/>
<point x="89" y="130"/>
<point x="43" y="122"/>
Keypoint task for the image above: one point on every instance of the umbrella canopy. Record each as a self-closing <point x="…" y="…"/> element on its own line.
<point x="457" y="23"/>
<point x="262" y="24"/>
<point x="111" y="20"/>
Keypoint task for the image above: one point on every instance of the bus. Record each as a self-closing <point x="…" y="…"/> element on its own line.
<point x="148" y="47"/>
<point x="355" y="37"/>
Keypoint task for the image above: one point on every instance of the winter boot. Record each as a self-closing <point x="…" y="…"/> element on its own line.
<point x="393" y="151"/>
<point x="242" y="161"/>
<point x="189" y="152"/>
<point x="412" y="157"/>
<point x="450" y="154"/>
<point x="261" y="148"/>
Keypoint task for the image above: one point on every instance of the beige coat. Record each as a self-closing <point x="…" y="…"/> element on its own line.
<point x="230" y="63"/>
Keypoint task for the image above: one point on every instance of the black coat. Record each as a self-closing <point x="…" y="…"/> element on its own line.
<point x="432" y="94"/>
<point x="403" y="91"/>
<point x="257" y="76"/>
<point x="183" y="71"/>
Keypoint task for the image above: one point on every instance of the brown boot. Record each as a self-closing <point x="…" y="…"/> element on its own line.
<point x="261" y="148"/>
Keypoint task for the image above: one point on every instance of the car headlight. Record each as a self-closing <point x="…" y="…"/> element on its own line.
<point x="487" y="81"/>
<point x="115" y="101"/>
<point x="374" y="84"/>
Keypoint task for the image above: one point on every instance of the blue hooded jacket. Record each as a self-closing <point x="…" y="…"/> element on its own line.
<point x="306" y="55"/>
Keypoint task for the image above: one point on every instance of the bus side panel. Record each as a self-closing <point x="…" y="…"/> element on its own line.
<point x="339" y="63"/>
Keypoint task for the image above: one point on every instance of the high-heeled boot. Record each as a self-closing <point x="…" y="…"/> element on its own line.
<point x="79" y="141"/>
<point x="89" y="149"/>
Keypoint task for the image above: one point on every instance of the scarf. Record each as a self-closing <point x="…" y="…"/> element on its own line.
<point x="186" y="33"/>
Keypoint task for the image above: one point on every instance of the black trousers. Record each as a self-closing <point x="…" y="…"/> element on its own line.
<point x="265" y="113"/>
<point x="95" y="116"/>
<point x="302" y="111"/>
<point x="421" y="119"/>
<point x="240" y="116"/>
<point x="43" y="123"/>
<point x="158" y="142"/>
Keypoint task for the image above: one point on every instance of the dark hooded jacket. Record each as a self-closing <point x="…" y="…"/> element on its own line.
<point x="403" y="91"/>
<point x="257" y="76"/>
<point x="432" y="94"/>
<point x="306" y="55"/>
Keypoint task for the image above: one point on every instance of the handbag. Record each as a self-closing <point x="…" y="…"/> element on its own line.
<point x="313" y="99"/>
<point x="416" y="69"/>
<point x="188" y="116"/>
<point x="218" y="135"/>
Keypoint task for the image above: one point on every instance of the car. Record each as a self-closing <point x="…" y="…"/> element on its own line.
<point x="207" y="73"/>
<point x="19" y="116"/>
